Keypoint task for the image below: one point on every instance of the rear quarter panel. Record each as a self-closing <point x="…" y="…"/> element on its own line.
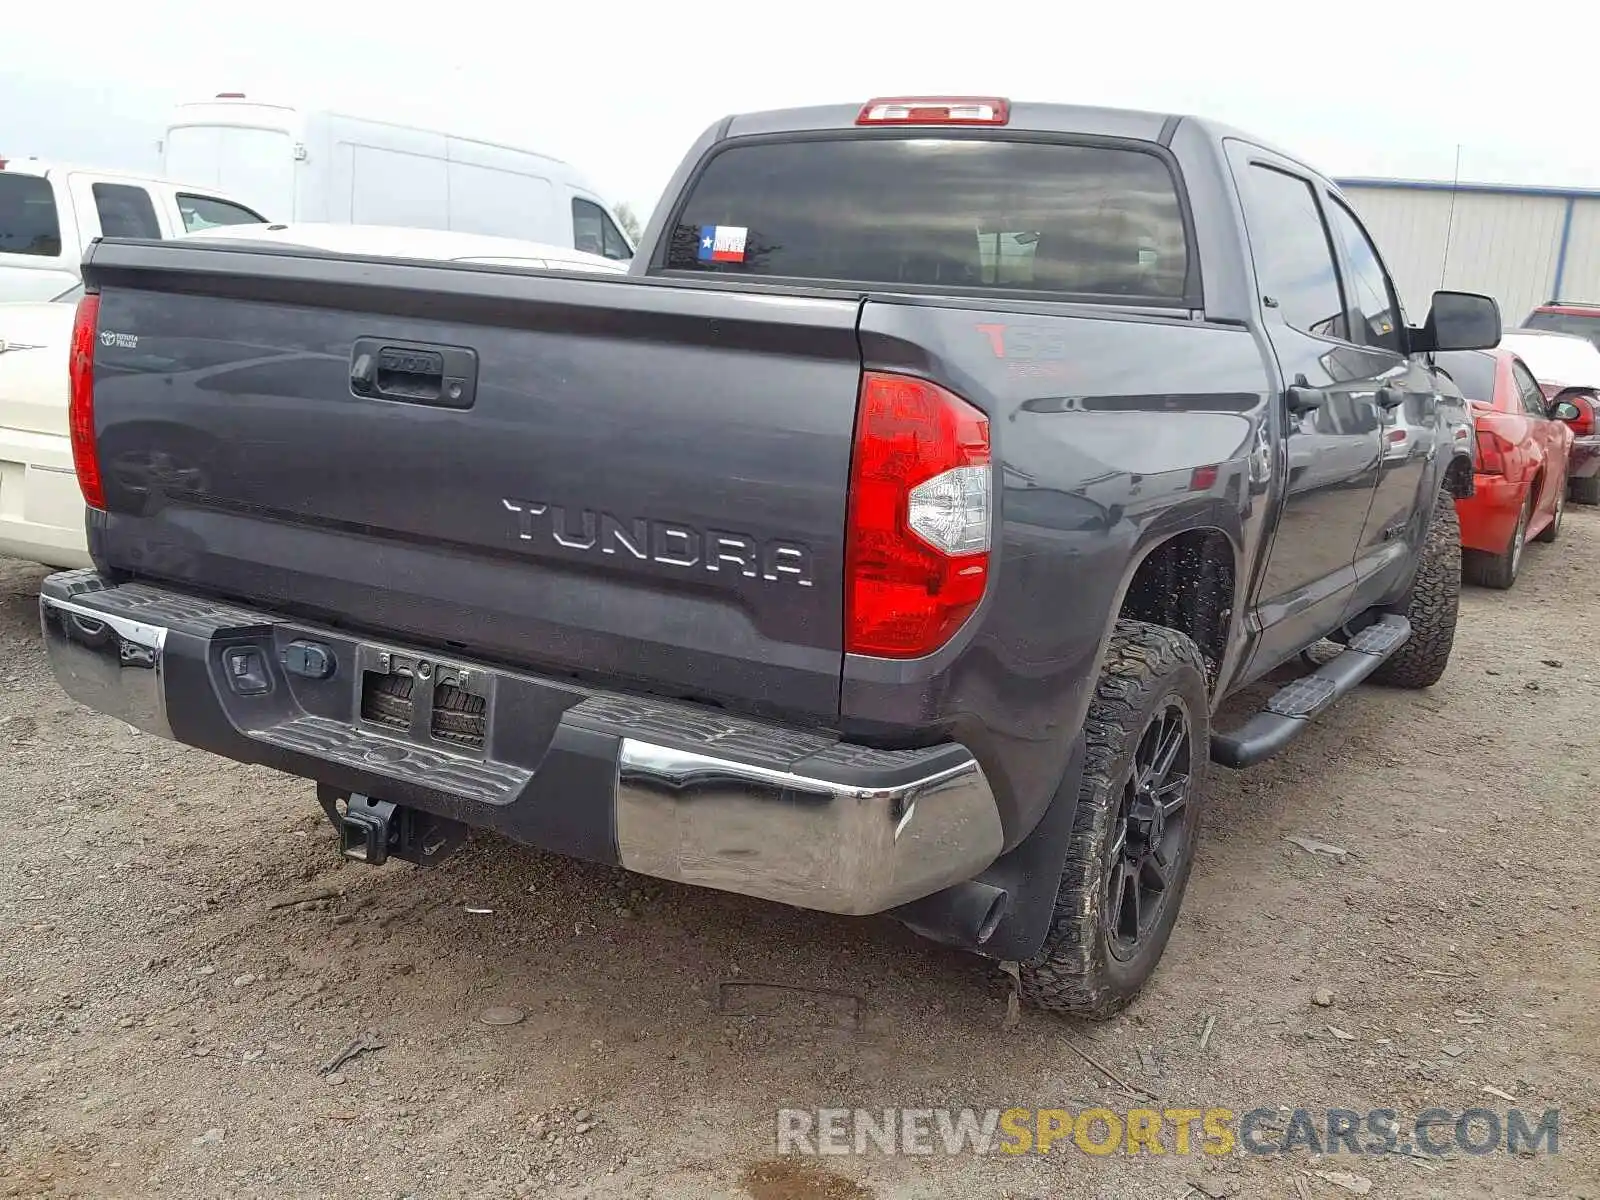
<point x="1098" y="422"/>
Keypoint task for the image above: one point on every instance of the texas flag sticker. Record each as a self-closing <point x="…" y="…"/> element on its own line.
<point x="722" y="243"/>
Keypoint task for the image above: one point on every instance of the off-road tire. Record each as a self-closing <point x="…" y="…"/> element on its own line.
<point x="1074" y="972"/>
<point x="1553" y="530"/>
<point x="1584" y="491"/>
<point x="1500" y="571"/>
<point x="1431" y="606"/>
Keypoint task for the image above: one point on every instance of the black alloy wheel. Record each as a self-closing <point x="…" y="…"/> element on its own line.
<point x="1151" y="833"/>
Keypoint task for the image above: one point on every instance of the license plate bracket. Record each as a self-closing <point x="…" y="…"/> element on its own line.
<point x="425" y="699"/>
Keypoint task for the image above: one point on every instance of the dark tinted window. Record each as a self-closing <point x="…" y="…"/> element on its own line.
<point x="1294" y="259"/>
<point x="125" y="211"/>
<point x="1588" y="327"/>
<point x="1374" y="311"/>
<point x="28" y="223"/>
<point x="943" y="212"/>
<point x="207" y="212"/>
<point x="1473" y="372"/>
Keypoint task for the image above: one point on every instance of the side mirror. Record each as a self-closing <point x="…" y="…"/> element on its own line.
<point x="1461" y="321"/>
<point x="1565" y="410"/>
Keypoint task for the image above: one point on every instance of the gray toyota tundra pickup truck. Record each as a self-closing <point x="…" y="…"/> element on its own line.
<point x="885" y="543"/>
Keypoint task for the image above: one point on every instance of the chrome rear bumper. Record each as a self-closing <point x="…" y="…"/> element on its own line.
<point x="803" y="841"/>
<point x="109" y="663"/>
<point x="675" y="791"/>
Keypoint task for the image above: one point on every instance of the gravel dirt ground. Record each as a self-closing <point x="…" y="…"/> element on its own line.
<point x="166" y="1007"/>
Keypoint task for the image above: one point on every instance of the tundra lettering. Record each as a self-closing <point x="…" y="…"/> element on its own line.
<point x="661" y="542"/>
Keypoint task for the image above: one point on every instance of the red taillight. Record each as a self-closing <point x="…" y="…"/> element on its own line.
<point x="1492" y="451"/>
<point x="934" y="110"/>
<point x="917" y="544"/>
<point x="80" y="409"/>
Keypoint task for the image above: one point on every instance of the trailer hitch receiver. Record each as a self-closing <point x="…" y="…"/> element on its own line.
<point x="374" y="831"/>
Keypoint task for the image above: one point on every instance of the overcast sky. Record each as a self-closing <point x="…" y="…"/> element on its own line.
<point x="620" y="90"/>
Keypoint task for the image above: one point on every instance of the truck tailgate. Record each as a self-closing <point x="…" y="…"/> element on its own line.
<point x="608" y="478"/>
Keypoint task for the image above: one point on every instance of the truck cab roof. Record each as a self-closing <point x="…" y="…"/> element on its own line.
<point x="1047" y="118"/>
<point x="1081" y="120"/>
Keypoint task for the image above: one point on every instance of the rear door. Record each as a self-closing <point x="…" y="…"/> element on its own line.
<point x="1332" y="451"/>
<point x="117" y="209"/>
<point x="499" y="203"/>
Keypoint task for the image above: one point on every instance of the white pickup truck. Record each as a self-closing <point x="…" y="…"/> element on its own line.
<point x="50" y="212"/>
<point x="41" y="508"/>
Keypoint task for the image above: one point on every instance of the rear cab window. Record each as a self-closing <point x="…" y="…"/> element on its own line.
<point x="125" y="211"/>
<point x="28" y="220"/>
<point x="1093" y="222"/>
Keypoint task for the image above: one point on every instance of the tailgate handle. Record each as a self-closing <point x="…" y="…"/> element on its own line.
<point x="414" y="372"/>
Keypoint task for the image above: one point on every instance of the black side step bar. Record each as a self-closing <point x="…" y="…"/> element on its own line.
<point x="1292" y="706"/>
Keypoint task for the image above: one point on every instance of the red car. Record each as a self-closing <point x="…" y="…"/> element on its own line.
<point x="1572" y="317"/>
<point x="1524" y="446"/>
<point x="1568" y="368"/>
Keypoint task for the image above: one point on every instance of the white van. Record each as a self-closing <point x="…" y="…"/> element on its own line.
<point x="50" y="212"/>
<point x="300" y="166"/>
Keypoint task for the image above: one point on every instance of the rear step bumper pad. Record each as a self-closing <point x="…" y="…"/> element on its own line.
<point x="672" y="790"/>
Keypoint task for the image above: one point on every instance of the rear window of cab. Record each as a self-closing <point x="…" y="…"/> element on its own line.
<point x="1092" y="222"/>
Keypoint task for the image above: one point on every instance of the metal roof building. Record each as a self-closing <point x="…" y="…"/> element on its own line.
<point x="1521" y="245"/>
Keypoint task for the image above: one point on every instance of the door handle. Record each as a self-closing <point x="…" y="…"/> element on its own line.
<point x="1303" y="398"/>
<point x="1390" y="398"/>
<point x="414" y="373"/>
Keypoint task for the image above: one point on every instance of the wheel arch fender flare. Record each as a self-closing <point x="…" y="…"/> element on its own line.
<point x="1201" y="515"/>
